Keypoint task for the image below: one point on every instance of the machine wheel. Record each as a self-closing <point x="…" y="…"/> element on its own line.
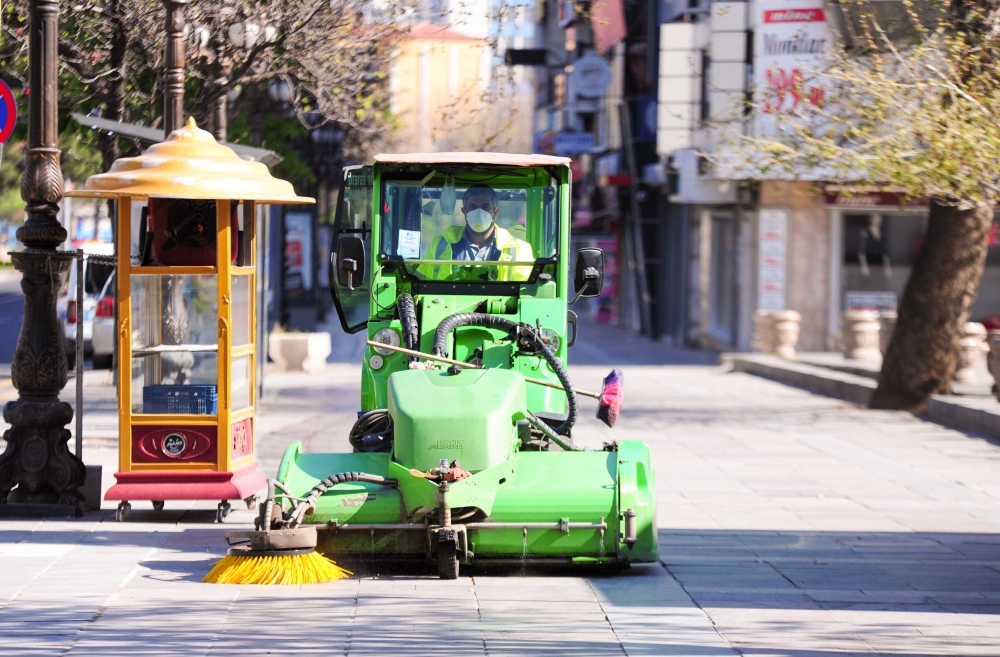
<point x="251" y="502"/>
<point x="222" y="512"/>
<point x="447" y="550"/>
<point x="122" y="512"/>
<point x="157" y="505"/>
<point x="102" y="362"/>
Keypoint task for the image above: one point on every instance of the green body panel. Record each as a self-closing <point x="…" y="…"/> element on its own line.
<point x="467" y="417"/>
<point x="529" y="487"/>
<point x="349" y="502"/>
<point x="637" y="491"/>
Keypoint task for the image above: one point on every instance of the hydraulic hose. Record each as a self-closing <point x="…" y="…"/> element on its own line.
<point x="552" y="435"/>
<point x="372" y="432"/>
<point x="563" y="377"/>
<point x="452" y="322"/>
<point x="524" y="333"/>
<point x="323" y="486"/>
<point x="408" y="320"/>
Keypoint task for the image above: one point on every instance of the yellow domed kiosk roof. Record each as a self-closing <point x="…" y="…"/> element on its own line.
<point x="190" y="163"/>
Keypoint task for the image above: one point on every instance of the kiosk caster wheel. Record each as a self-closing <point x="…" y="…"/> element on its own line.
<point x="122" y="512"/>
<point x="157" y="505"/>
<point x="447" y="549"/>
<point x="222" y="512"/>
<point x="251" y="502"/>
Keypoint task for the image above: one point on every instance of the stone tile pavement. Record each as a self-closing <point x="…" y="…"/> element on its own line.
<point x="790" y="524"/>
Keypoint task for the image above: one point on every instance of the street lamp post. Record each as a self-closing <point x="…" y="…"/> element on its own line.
<point x="37" y="460"/>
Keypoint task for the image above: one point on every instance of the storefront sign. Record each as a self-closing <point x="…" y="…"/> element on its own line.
<point x="607" y="20"/>
<point x="772" y="260"/>
<point x="574" y="143"/>
<point x="590" y="77"/>
<point x="873" y="200"/>
<point x="880" y="301"/>
<point x="792" y="41"/>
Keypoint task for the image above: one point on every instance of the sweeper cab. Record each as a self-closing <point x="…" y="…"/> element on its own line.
<point x="457" y="266"/>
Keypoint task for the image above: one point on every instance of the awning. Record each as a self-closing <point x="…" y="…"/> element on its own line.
<point x="155" y="136"/>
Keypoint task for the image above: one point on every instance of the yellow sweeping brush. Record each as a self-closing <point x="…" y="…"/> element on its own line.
<point x="284" y="556"/>
<point x="275" y="553"/>
<point x="282" y="551"/>
<point x="309" y="568"/>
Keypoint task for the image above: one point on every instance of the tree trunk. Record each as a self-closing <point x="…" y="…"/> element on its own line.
<point x="923" y="354"/>
<point x="114" y="85"/>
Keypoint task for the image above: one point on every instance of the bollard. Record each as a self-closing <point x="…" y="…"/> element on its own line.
<point x="971" y="348"/>
<point x="860" y="330"/>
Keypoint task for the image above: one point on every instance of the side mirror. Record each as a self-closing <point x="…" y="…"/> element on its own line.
<point x="350" y="257"/>
<point x="588" y="276"/>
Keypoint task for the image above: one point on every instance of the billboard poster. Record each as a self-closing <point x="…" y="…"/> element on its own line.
<point x="298" y="251"/>
<point x="792" y="42"/>
<point x="772" y="263"/>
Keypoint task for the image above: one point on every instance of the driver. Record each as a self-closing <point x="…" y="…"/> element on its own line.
<point x="480" y="239"/>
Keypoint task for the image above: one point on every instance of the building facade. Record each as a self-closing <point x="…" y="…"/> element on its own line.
<point x="739" y="245"/>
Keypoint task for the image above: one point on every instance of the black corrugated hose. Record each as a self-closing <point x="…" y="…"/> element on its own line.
<point x="309" y="501"/>
<point x="520" y="332"/>
<point x="408" y="320"/>
<point x="372" y="432"/>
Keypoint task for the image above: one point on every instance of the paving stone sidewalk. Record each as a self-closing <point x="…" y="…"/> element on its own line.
<point x="790" y="524"/>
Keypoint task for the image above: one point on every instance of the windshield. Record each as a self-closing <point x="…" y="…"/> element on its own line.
<point x="470" y="231"/>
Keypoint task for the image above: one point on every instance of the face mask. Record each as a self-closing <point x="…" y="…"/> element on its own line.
<point x="479" y="220"/>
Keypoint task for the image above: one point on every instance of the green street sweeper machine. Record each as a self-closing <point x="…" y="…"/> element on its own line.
<point x="458" y="267"/>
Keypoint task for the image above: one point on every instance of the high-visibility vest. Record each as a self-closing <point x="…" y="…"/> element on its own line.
<point x="510" y="248"/>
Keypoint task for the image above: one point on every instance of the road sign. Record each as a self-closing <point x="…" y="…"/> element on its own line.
<point x="8" y="112"/>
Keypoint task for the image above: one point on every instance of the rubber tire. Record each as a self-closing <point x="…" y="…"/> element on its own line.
<point x="102" y="362"/>
<point x="447" y="560"/>
<point x="71" y="360"/>
<point x="121" y="513"/>
<point x="222" y="512"/>
<point x="157" y="505"/>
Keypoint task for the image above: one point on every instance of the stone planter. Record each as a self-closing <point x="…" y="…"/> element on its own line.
<point x="972" y="347"/>
<point x="993" y="340"/>
<point x="860" y="330"/>
<point x="299" y="352"/>
<point x="765" y="335"/>
<point x="786" y="332"/>
<point x="887" y="324"/>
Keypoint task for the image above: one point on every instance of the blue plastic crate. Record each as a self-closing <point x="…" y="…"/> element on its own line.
<point x="180" y="400"/>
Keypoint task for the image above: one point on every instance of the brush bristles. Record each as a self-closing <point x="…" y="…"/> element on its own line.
<point x="612" y="395"/>
<point x="311" y="568"/>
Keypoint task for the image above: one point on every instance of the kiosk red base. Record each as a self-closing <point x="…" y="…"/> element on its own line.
<point x="241" y="484"/>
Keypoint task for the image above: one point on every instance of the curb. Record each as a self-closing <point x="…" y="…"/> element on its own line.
<point x="858" y="389"/>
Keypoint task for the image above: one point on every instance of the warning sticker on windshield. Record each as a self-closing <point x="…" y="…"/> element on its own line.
<point x="409" y="244"/>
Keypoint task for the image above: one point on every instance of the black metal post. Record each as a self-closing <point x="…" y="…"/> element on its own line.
<point x="37" y="460"/>
<point x="173" y="101"/>
<point x="219" y="114"/>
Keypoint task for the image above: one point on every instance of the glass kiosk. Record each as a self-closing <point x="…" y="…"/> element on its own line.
<point x="187" y="344"/>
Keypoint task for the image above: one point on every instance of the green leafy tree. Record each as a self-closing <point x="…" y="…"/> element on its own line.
<point x="913" y="105"/>
<point x="333" y="54"/>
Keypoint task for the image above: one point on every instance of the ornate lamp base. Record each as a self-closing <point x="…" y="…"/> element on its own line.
<point x="37" y="460"/>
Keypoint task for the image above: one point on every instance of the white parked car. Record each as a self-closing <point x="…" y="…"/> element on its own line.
<point x="103" y="340"/>
<point x="97" y="287"/>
